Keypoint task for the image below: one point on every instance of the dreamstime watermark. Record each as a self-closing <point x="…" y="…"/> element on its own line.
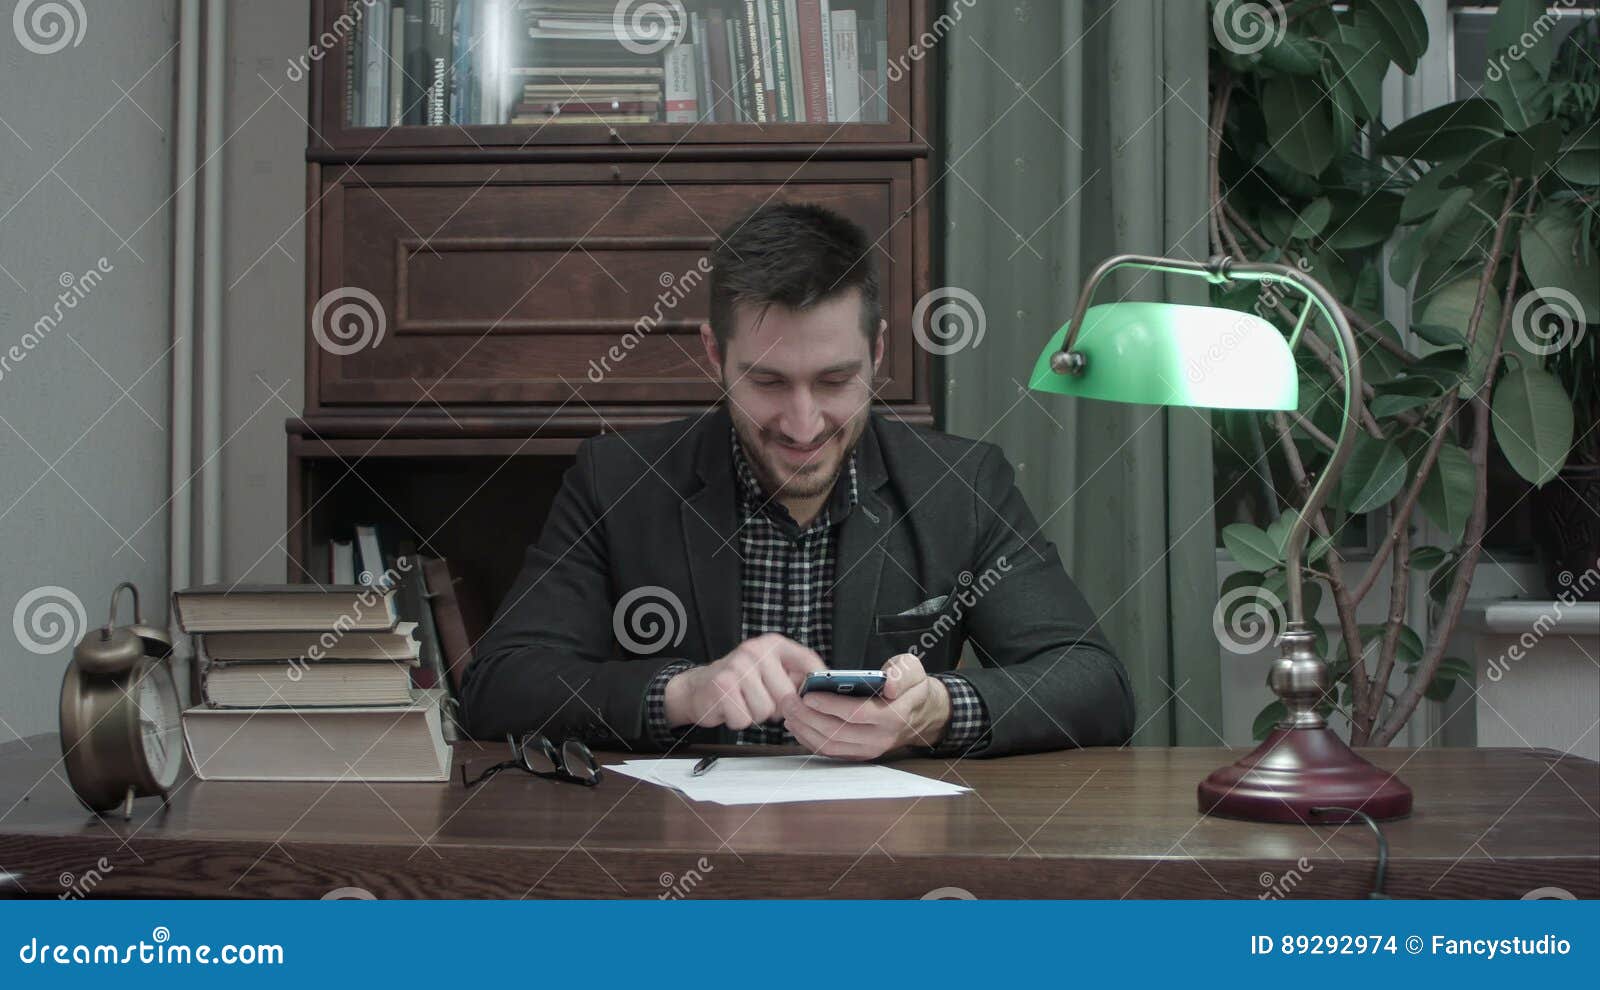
<point x="674" y="290"/>
<point x="348" y="319"/>
<point x="1576" y="587"/>
<point x="676" y="888"/>
<point x="648" y="619"/>
<point x="949" y="894"/>
<point x="1244" y="27"/>
<point x="349" y="894"/>
<point x="947" y="320"/>
<point x="645" y="27"/>
<point x="372" y="596"/>
<point x="74" y="289"/>
<point x="48" y="619"/>
<point x="343" y="27"/>
<point x="82" y="885"/>
<point x="969" y="591"/>
<point x="1267" y="300"/>
<point x="1548" y="320"/>
<point x="1246" y="619"/>
<point x="1518" y="50"/>
<point x="901" y="64"/>
<point x="45" y="27"/>
<point x="1279" y="886"/>
<point x="1549" y="894"/>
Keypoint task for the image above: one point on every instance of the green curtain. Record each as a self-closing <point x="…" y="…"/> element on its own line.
<point x="1069" y="132"/>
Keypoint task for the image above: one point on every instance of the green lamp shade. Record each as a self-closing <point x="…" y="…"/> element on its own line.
<point x="1166" y="354"/>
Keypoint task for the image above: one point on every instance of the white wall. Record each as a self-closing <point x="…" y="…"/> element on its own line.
<point x="85" y="175"/>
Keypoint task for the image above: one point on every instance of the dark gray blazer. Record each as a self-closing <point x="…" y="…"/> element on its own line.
<point x="939" y="516"/>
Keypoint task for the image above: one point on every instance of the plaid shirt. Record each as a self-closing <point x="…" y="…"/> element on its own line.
<point x="786" y="587"/>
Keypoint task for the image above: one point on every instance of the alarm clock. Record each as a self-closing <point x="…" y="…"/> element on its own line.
<point x="120" y="736"/>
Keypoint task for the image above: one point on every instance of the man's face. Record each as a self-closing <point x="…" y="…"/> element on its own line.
<point x="798" y="385"/>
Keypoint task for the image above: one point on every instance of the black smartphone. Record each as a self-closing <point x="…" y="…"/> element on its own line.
<point x="856" y="683"/>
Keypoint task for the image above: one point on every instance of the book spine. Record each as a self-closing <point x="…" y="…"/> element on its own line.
<point x="681" y="105"/>
<point x="459" y="67"/>
<point x="702" y="47"/>
<point x="437" y="75"/>
<point x="810" y="13"/>
<point x="352" y="73"/>
<point x="797" y="89"/>
<point x="825" y="41"/>
<point x="394" y="59"/>
<point x="764" y="39"/>
<point x="846" y="67"/>
<point x="741" y="75"/>
<point x="880" y="111"/>
<point x="375" y="67"/>
<point x="780" y="56"/>
<point x="416" y="62"/>
<point x="752" y="41"/>
<point x="721" y="70"/>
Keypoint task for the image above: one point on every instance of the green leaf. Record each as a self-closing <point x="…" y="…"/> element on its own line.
<point x="1579" y="160"/>
<point x="1293" y="53"/>
<point x="1361" y="220"/>
<point x="1373" y="475"/>
<point x="1517" y="89"/>
<point x="1439" y="336"/>
<point x="1550" y="256"/>
<point x="1445" y="369"/>
<point x="1361" y="71"/>
<point x="1451" y="131"/>
<point x="1399" y="26"/>
<point x="1384" y="406"/>
<point x="1439" y="689"/>
<point x="1299" y="125"/>
<point x="1513" y="23"/>
<point x="1441" y="581"/>
<point x="1251" y="547"/>
<point x="1426" y="558"/>
<point x="1312" y="218"/>
<point x="1451" y="306"/>
<point x="1527" y="154"/>
<point x="1448" y="493"/>
<point x="1267" y="719"/>
<point x="1533" y="423"/>
<point x="1278" y="532"/>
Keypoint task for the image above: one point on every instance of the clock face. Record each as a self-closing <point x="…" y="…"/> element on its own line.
<point x="159" y="727"/>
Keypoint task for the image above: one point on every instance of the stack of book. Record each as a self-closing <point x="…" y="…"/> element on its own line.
<point x="300" y="682"/>
<point x="589" y="95"/>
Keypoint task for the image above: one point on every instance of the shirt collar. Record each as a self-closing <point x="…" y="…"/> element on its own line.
<point x="753" y="499"/>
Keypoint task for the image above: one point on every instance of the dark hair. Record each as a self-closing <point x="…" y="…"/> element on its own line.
<point x="793" y="254"/>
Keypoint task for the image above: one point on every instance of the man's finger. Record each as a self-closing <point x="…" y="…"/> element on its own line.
<point x="904" y="672"/>
<point x="864" y="711"/>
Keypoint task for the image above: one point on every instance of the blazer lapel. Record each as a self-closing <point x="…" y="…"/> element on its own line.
<point x="708" y="534"/>
<point x="862" y="538"/>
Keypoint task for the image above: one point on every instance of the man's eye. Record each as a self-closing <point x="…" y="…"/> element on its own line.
<point x="838" y="382"/>
<point x="767" y="382"/>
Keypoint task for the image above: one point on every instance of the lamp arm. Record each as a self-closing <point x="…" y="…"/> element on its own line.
<point x="1222" y="269"/>
<point x="1344" y="337"/>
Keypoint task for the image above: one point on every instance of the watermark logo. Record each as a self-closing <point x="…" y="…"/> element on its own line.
<point x="344" y="26"/>
<point x="74" y="289"/>
<point x="949" y="894"/>
<point x="1549" y="894"/>
<point x="648" y="619"/>
<point x="348" y="319"/>
<point x="47" y="27"/>
<point x="1576" y="588"/>
<point x="1548" y="320"/>
<point x="645" y="27"/>
<point x="349" y="894"/>
<point x="948" y="320"/>
<point x="1244" y="27"/>
<point x="78" y="887"/>
<point x="1518" y="50"/>
<point x="373" y="594"/>
<point x="676" y="888"/>
<point x="48" y="619"/>
<point x="969" y="591"/>
<point x="1277" y="887"/>
<point x="674" y="290"/>
<point x="901" y="64"/>
<point x="1246" y="619"/>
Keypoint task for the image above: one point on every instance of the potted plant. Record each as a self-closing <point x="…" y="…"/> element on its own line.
<point x="1492" y="205"/>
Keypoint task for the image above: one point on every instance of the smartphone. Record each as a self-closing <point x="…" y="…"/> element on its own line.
<point x="857" y="683"/>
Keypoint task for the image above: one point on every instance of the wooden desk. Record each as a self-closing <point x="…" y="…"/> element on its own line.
<point x="1095" y="823"/>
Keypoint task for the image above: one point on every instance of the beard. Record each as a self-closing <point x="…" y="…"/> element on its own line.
<point x="814" y="478"/>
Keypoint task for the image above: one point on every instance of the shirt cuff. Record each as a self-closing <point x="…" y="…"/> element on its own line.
<point x="968" y="729"/>
<point x="657" y="730"/>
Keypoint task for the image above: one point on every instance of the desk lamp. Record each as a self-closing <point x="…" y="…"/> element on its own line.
<point x="1209" y="357"/>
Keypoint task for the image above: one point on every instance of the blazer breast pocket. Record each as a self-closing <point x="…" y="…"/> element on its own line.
<point x="933" y="637"/>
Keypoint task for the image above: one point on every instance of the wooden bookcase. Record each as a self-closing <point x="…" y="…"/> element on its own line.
<point x="504" y="258"/>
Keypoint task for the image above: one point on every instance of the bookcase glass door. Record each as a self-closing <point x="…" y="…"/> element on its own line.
<point x="615" y="64"/>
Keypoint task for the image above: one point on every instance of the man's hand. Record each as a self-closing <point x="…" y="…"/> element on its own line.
<point x="913" y="711"/>
<point x="749" y="686"/>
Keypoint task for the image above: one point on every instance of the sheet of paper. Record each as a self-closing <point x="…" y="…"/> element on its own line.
<point x="784" y="779"/>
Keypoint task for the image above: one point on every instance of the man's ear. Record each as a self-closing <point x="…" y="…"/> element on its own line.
<point x="877" y="346"/>
<point x="708" y="341"/>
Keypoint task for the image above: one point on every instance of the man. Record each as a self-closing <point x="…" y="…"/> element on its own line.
<point x="690" y="575"/>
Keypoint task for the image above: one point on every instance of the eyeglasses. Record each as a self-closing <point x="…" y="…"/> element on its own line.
<point x="535" y="754"/>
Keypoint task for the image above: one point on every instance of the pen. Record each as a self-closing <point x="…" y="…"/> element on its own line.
<point x="702" y="766"/>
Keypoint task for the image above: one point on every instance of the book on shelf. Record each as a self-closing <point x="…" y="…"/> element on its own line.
<point x="436" y="62"/>
<point x="269" y="607"/>
<point x="374" y="744"/>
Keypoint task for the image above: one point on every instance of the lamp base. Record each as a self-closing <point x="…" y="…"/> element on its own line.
<point x="1295" y="770"/>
